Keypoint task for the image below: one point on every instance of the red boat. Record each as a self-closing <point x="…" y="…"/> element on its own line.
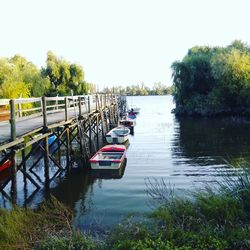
<point x="108" y="157"/>
<point x="5" y="165"/>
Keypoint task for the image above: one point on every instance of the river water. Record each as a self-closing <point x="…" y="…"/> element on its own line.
<point x="185" y="152"/>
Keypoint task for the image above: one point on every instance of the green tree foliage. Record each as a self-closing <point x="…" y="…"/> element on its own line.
<point x="141" y="90"/>
<point x="20" y="78"/>
<point x="64" y="76"/>
<point x="213" y="80"/>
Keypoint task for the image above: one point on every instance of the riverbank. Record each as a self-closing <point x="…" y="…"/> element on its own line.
<point x="207" y="111"/>
<point x="207" y="219"/>
<point x="212" y="81"/>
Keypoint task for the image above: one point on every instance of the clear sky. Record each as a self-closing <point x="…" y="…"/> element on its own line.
<point x="120" y="42"/>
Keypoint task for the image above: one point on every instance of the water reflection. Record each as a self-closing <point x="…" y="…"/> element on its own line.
<point x="213" y="141"/>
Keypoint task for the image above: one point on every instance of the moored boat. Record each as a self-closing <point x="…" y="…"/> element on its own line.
<point x="136" y="110"/>
<point x="127" y="122"/>
<point x="131" y="116"/>
<point x="110" y="173"/>
<point x="108" y="157"/>
<point x="5" y="165"/>
<point x="118" y="135"/>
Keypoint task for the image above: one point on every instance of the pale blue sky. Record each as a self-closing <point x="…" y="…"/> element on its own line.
<point x="120" y="42"/>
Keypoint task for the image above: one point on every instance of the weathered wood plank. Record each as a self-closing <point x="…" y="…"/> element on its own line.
<point x="26" y="126"/>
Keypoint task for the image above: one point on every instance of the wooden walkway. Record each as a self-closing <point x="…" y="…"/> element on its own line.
<point x="27" y="125"/>
<point x="56" y="110"/>
<point x="71" y="120"/>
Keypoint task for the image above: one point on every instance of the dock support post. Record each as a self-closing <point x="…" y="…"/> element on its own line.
<point x="25" y="190"/>
<point x="97" y="130"/>
<point x="59" y="145"/>
<point x="46" y="162"/>
<point x="13" y="191"/>
<point x="90" y="126"/>
<point x="12" y="120"/>
<point x="68" y="149"/>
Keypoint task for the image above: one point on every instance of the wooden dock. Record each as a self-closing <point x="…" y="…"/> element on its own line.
<point x="71" y="119"/>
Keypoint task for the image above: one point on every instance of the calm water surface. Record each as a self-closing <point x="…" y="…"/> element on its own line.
<point x="186" y="152"/>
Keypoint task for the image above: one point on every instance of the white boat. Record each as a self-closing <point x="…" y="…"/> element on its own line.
<point x="108" y="157"/>
<point x="118" y="135"/>
<point x="110" y="173"/>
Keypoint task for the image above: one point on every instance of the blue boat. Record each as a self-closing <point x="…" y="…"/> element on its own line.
<point x="51" y="139"/>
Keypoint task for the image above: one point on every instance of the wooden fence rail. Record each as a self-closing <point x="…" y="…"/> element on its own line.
<point x="27" y="108"/>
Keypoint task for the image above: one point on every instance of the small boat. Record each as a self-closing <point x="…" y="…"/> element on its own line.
<point x="108" y="157"/>
<point x="51" y="139"/>
<point x="136" y="110"/>
<point x="5" y="165"/>
<point x="118" y="135"/>
<point x="127" y="122"/>
<point x="131" y="115"/>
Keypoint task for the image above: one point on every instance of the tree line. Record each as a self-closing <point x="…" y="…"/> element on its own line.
<point x="213" y="80"/>
<point x="21" y="78"/>
<point x="141" y="90"/>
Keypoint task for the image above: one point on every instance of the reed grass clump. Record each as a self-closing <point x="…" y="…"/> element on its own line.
<point x="216" y="217"/>
<point x="48" y="227"/>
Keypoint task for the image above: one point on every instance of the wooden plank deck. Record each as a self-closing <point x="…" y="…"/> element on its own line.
<point x="28" y="124"/>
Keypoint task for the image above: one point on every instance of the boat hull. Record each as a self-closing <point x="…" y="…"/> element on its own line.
<point x="118" y="139"/>
<point x="109" y="157"/>
<point x="113" y="165"/>
<point x="118" y="135"/>
<point x="5" y="165"/>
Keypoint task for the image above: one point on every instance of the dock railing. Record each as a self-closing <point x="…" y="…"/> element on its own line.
<point x="13" y="110"/>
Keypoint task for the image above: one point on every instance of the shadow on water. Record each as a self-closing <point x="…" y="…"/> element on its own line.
<point x="80" y="181"/>
<point x="213" y="141"/>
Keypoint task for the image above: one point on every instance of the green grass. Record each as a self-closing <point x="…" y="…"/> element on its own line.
<point x="48" y="227"/>
<point x="217" y="218"/>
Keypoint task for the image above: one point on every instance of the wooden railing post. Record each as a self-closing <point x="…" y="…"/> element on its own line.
<point x="44" y="109"/>
<point x="20" y="113"/>
<point x="80" y="106"/>
<point x="89" y="108"/>
<point x="57" y="102"/>
<point x="96" y="98"/>
<point x="66" y="101"/>
<point x="12" y="120"/>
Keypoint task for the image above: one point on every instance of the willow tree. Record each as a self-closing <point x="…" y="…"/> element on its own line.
<point x="20" y="78"/>
<point x="212" y="80"/>
<point x="64" y="76"/>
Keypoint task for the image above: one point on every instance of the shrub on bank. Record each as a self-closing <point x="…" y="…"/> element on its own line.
<point x="210" y="219"/>
<point x="213" y="81"/>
